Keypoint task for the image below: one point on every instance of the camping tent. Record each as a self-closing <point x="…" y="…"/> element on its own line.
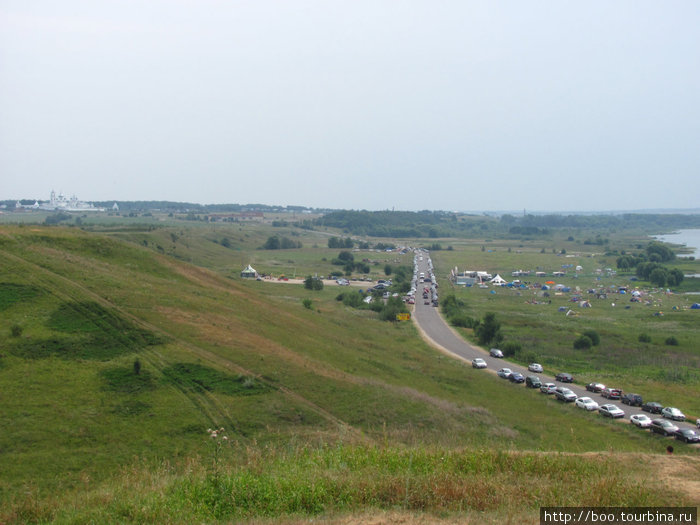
<point x="249" y="272"/>
<point x="695" y="306"/>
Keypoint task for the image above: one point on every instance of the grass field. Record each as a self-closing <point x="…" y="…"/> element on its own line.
<point x="303" y="393"/>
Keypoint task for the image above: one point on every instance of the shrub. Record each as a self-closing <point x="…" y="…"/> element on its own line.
<point x="583" y="343"/>
<point x="16" y="330"/>
<point x="593" y="336"/>
<point x="510" y="348"/>
<point x="644" y="338"/>
<point x="313" y="283"/>
<point x="671" y="341"/>
<point x="308" y="303"/>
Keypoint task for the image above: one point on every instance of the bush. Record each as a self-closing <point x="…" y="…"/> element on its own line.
<point x="593" y="336"/>
<point x="16" y="330"/>
<point x="313" y="283"/>
<point x="644" y="338"/>
<point x="308" y="303"/>
<point x="583" y="343"/>
<point x="510" y="348"/>
<point x="671" y="341"/>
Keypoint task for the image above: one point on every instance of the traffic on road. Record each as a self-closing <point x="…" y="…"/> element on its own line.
<point x="593" y="397"/>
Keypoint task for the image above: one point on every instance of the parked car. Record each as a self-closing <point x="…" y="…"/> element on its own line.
<point x="533" y="382"/>
<point x="516" y="377"/>
<point x="640" y="420"/>
<point x="495" y="352"/>
<point x="633" y="400"/>
<point x="564" y="377"/>
<point x="535" y="367"/>
<point x="565" y="394"/>
<point x="673" y="413"/>
<point x="548" y="388"/>
<point x="505" y="373"/>
<point x="688" y="435"/>
<point x="611" y="393"/>
<point x="609" y="410"/>
<point x="661" y="426"/>
<point x="479" y="363"/>
<point x="652" y="407"/>
<point x="586" y="403"/>
<point x="595" y="387"/>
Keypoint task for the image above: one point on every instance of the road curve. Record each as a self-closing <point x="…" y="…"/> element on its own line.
<point x="439" y="334"/>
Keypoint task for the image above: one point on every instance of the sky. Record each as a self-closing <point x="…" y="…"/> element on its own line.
<point x="453" y="105"/>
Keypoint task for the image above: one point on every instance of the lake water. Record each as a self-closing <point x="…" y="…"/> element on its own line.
<point x="691" y="238"/>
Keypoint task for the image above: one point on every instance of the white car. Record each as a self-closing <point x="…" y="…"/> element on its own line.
<point x="640" y="420"/>
<point x="586" y="403"/>
<point x="505" y="373"/>
<point x="548" y="388"/>
<point x="610" y="410"/>
<point x="673" y="413"/>
<point x="479" y="363"/>
<point x="535" y="367"/>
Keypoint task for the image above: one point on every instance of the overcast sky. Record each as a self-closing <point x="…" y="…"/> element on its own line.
<point x="441" y="105"/>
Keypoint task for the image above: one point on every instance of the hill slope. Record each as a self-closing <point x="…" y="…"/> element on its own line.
<point x="80" y="310"/>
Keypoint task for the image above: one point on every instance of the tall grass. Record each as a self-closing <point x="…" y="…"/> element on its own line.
<point x="273" y="482"/>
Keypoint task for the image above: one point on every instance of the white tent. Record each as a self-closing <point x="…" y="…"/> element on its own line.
<point x="249" y="272"/>
<point x="498" y="280"/>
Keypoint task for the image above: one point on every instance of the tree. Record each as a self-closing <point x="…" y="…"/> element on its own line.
<point x="313" y="283"/>
<point x="387" y="269"/>
<point x="593" y="336"/>
<point x="489" y="329"/>
<point x="658" y="277"/>
<point x="583" y="343"/>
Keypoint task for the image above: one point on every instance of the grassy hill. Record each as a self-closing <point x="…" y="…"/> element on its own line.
<point x="117" y="357"/>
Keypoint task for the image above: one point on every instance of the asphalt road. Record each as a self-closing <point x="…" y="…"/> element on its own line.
<point x="436" y="330"/>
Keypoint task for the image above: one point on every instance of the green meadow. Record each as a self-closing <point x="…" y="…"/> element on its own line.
<point x="122" y="341"/>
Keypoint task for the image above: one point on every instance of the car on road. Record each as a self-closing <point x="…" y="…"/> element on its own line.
<point x="479" y="363"/>
<point x="495" y="352"/>
<point x="505" y="373"/>
<point x="662" y="426"/>
<point x="652" y="407"/>
<point x="611" y="393"/>
<point x="586" y="403"/>
<point x="610" y="410"/>
<point x="633" y="400"/>
<point x="564" y="377"/>
<point x="673" y="413"/>
<point x="533" y="382"/>
<point x="640" y="420"/>
<point x="596" y="388"/>
<point x="548" y="388"/>
<point x="516" y="377"/>
<point x="565" y="394"/>
<point x="687" y="435"/>
<point x="535" y="367"/>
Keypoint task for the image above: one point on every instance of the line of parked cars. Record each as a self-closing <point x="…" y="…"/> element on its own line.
<point x="664" y="425"/>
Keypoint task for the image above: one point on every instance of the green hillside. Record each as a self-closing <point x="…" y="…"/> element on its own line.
<point x="118" y="355"/>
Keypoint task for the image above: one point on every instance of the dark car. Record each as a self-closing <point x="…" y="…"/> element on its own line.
<point x="688" y="435"/>
<point x="564" y="377"/>
<point x="663" y="426"/>
<point x="633" y="400"/>
<point x="652" y="407"/>
<point x="517" y="377"/>
<point x="533" y="382"/>
<point x="595" y="387"/>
